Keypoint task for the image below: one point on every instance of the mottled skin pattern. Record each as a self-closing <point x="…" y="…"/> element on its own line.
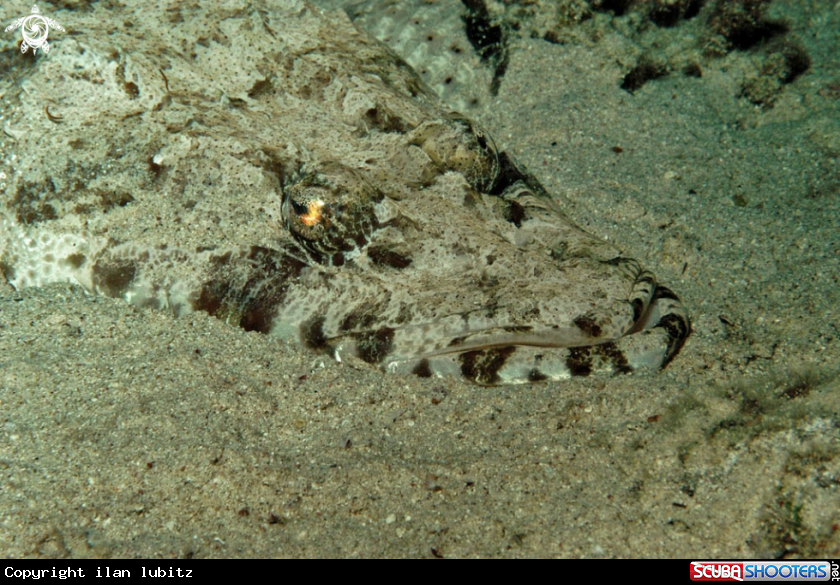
<point x="271" y="165"/>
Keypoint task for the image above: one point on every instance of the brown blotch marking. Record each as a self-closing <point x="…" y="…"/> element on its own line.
<point x="405" y="314"/>
<point x="270" y="276"/>
<point x="131" y="89"/>
<point x="175" y="16"/>
<point x="220" y="261"/>
<point x="662" y="292"/>
<point x="422" y="369"/>
<point x="360" y="239"/>
<point x="111" y="199"/>
<point x="616" y="357"/>
<point x="488" y="281"/>
<point x="536" y="376"/>
<point x="382" y="256"/>
<point x="384" y="120"/>
<point x="29" y="202"/>
<point x="154" y="168"/>
<point x="579" y="361"/>
<point x="532" y="314"/>
<point x="7" y="270"/>
<point x="76" y="260"/>
<point x="518" y="328"/>
<point x="260" y="87"/>
<point x="363" y="317"/>
<point x="456" y="341"/>
<point x="678" y="328"/>
<point x="373" y="346"/>
<point x="247" y="290"/>
<point x="211" y="299"/>
<point x="258" y="316"/>
<point x="588" y="325"/>
<point x="515" y="214"/>
<point x="114" y="277"/>
<point x="638" y="308"/>
<point x="797" y="390"/>
<point x="312" y="333"/>
<point x="483" y="366"/>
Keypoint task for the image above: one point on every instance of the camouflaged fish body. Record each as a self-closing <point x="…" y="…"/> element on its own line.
<point x="284" y="172"/>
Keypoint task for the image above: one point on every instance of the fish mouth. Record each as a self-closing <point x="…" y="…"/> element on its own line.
<point x="604" y="343"/>
<point x="520" y="360"/>
<point x="515" y="336"/>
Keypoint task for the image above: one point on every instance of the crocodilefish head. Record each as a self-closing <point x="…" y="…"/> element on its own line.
<point x="468" y="269"/>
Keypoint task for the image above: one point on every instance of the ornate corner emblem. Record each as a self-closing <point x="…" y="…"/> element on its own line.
<point x="34" y="29"/>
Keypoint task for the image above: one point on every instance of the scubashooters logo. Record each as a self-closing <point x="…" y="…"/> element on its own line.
<point x="763" y="571"/>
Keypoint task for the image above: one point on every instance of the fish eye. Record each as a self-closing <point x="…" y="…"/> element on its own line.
<point x="310" y="214"/>
<point x="330" y="209"/>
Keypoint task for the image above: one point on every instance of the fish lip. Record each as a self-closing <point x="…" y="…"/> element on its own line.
<point x="483" y="346"/>
<point x="548" y="337"/>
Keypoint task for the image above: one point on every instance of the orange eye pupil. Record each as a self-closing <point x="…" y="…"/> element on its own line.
<point x="313" y="213"/>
